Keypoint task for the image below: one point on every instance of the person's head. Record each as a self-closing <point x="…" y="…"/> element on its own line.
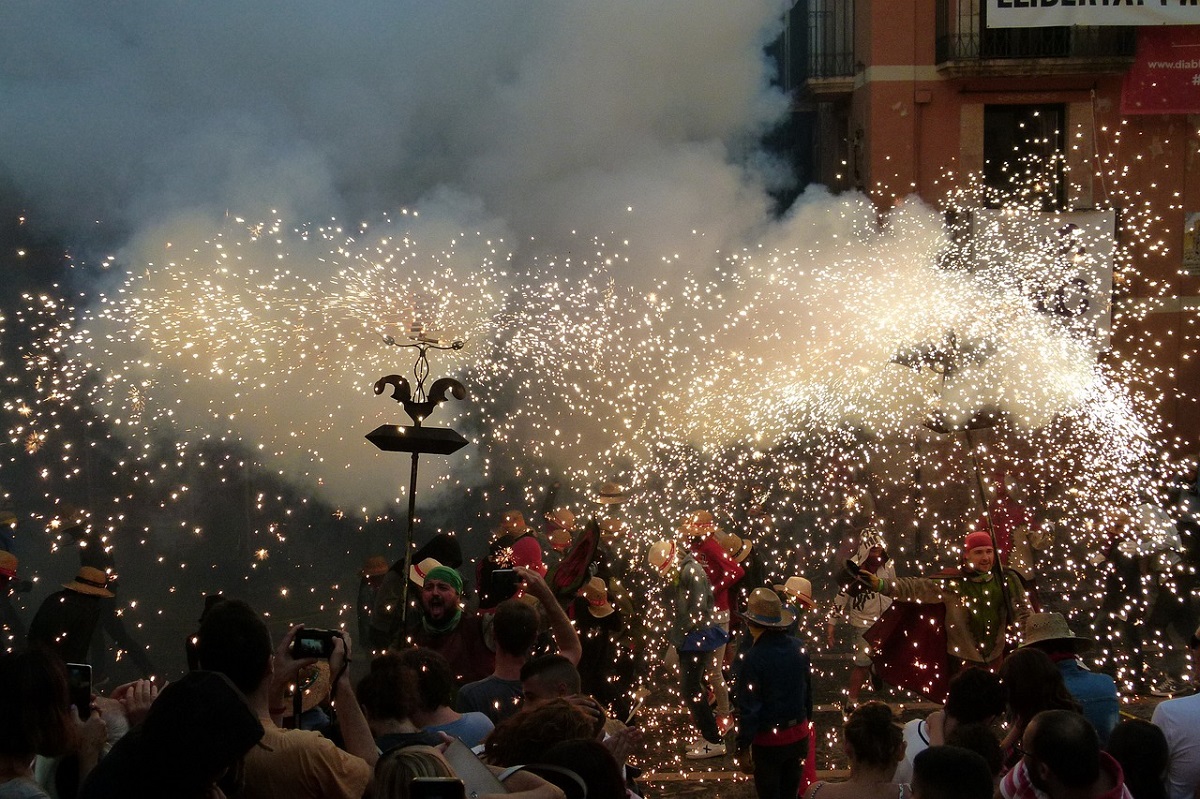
<point x="516" y="627"/>
<point x="873" y="738"/>
<point x="441" y="594"/>
<point x="389" y="691"/>
<point x="1141" y="749"/>
<point x="950" y="772"/>
<point x="974" y="695"/>
<point x="234" y="640"/>
<point x="396" y="769"/>
<point x="530" y="732"/>
<point x="592" y="761"/>
<point x="434" y="678"/>
<point x="979" y="552"/>
<point x="198" y="729"/>
<point x="980" y="738"/>
<point x="1033" y="684"/>
<point x="35" y="711"/>
<point x="548" y="677"/>
<point x="1061" y="752"/>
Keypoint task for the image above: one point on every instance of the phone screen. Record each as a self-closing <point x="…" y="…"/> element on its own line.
<point x="436" y="788"/>
<point x="79" y="684"/>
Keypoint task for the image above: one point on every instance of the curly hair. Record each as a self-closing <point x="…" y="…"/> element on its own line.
<point x="389" y="691"/>
<point x="525" y="736"/>
<point x="435" y="679"/>
<point x="974" y="695"/>
<point x="873" y="734"/>
<point x="1034" y="684"/>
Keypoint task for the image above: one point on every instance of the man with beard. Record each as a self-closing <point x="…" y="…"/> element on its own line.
<point x="981" y="605"/>
<point x="1061" y="759"/>
<point x="446" y="627"/>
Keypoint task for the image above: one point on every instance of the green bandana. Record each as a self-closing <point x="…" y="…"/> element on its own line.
<point x="446" y="575"/>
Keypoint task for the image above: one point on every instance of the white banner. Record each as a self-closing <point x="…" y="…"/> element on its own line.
<point x="1048" y="13"/>
<point x="1062" y="261"/>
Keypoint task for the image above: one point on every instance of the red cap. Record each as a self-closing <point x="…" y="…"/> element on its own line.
<point x="979" y="538"/>
<point x="527" y="552"/>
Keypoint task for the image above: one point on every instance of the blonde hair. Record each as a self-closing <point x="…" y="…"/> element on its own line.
<point x="397" y="767"/>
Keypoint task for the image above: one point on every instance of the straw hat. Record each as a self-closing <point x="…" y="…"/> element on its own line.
<point x="374" y="566"/>
<point x="614" y="527"/>
<point x="560" y="539"/>
<point x="610" y="494"/>
<point x="8" y="563"/>
<point x="737" y="547"/>
<point x="314" y="681"/>
<point x="561" y="519"/>
<point x="595" y="591"/>
<point x="700" y="523"/>
<point x="1041" y="627"/>
<point x="798" y="589"/>
<point x="417" y="571"/>
<point x="513" y="523"/>
<point x="661" y="555"/>
<point x="765" y="609"/>
<point x="91" y="581"/>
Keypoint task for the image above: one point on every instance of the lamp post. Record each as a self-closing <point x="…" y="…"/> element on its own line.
<point x="416" y="438"/>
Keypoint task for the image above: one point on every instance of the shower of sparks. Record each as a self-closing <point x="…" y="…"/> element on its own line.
<point x="770" y="390"/>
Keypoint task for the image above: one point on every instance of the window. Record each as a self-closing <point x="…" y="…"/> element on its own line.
<point x="1024" y="154"/>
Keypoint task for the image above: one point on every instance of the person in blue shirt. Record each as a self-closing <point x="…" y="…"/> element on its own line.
<point x="1095" y="692"/>
<point x="773" y="699"/>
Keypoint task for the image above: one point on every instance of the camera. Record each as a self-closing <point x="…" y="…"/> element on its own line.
<point x="314" y="643"/>
<point x="79" y="687"/>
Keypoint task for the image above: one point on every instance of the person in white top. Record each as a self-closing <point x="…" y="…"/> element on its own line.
<point x="975" y="695"/>
<point x="862" y="607"/>
<point x="1179" y="719"/>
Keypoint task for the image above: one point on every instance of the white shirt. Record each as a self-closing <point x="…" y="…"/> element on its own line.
<point x="1179" y="719"/>
<point x="916" y="740"/>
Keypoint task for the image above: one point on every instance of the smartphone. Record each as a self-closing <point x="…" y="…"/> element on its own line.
<point x="436" y="788"/>
<point x="477" y="778"/>
<point x="79" y="687"/>
<point x="504" y="583"/>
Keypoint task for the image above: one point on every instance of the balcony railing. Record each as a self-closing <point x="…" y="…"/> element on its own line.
<point x="830" y="39"/>
<point x="963" y="38"/>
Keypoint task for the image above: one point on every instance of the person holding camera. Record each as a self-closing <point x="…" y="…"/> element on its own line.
<point x="234" y="640"/>
<point x="516" y="626"/>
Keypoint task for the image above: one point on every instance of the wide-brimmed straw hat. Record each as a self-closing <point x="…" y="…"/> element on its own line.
<point x="1044" y="627"/>
<point x="561" y="519"/>
<point x="798" y="589"/>
<point x="8" y="563"/>
<point x="417" y="571"/>
<point x="610" y="494"/>
<point x="314" y="681"/>
<point x="513" y="523"/>
<point x="661" y="555"/>
<point x="737" y="547"/>
<point x="374" y="566"/>
<point x="765" y="608"/>
<point x="614" y="526"/>
<point x="91" y="581"/>
<point x="595" y="591"/>
<point x="700" y="523"/>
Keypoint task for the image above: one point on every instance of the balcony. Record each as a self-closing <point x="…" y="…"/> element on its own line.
<point x="967" y="47"/>
<point x="831" y="62"/>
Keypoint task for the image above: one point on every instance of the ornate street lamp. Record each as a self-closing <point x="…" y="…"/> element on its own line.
<point x="416" y="438"/>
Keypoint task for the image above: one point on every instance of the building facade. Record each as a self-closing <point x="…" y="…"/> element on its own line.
<point x="914" y="96"/>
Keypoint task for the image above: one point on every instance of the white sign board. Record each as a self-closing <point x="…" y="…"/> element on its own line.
<point x="1048" y="13"/>
<point x="1062" y="261"/>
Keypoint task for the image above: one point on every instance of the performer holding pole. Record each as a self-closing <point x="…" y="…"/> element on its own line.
<point x="981" y="605"/>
